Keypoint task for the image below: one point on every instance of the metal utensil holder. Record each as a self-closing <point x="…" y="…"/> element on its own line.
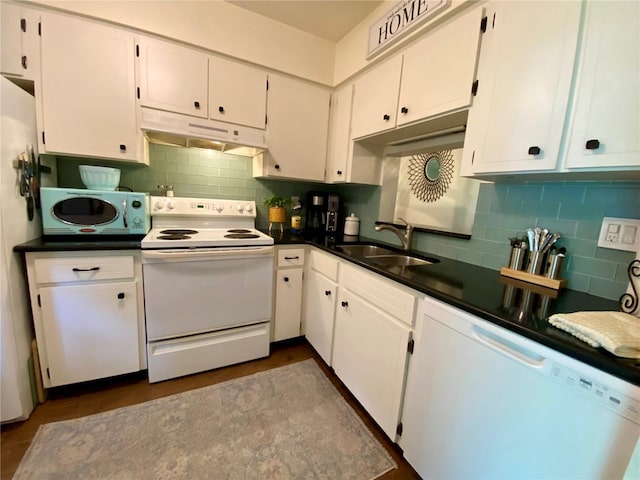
<point x="518" y="254"/>
<point x="553" y="265"/>
<point x="536" y="260"/>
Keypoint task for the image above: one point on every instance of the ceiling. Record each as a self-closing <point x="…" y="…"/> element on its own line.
<point x="328" y="19"/>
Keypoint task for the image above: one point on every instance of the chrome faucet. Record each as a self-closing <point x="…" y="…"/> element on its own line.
<point x="404" y="236"/>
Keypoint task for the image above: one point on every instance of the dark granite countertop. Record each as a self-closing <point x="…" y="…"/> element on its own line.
<point x="517" y="306"/>
<point x="512" y="304"/>
<point x="43" y="244"/>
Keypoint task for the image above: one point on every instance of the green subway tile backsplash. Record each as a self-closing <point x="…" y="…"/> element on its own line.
<point x="504" y="210"/>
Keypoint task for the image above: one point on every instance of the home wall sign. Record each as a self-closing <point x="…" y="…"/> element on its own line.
<point x="402" y="18"/>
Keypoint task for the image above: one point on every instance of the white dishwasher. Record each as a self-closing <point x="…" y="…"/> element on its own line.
<point x="485" y="403"/>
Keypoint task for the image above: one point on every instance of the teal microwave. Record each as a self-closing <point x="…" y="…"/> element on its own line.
<point x="75" y="211"/>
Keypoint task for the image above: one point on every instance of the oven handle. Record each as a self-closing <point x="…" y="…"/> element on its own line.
<point x="212" y="253"/>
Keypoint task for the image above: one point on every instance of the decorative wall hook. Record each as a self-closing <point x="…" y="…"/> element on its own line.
<point x="629" y="301"/>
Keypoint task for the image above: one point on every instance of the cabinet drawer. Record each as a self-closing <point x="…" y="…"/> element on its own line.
<point x="290" y="257"/>
<point x="398" y="301"/>
<point x="80" y="269"/>
<point x="324" y="263"/>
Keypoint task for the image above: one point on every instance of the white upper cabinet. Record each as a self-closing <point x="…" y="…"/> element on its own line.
<point x="172" y="77"/>
<point x="431" y="78"/>
<point x="339" y="134"/>
<point x="524" y="82"/>
<point x="19" y="43"/>
<point x="438" y="71"/>
<point x="88" y="90"/>
<point x="349" y="161"/>
<point x="297" y="130"/>
<point x="237" y="93"/>
<point x="605" y="126"/>
<point x="376" y="99"/>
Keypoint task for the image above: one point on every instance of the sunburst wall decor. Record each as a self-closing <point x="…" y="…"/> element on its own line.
<point x="430" y="174"/>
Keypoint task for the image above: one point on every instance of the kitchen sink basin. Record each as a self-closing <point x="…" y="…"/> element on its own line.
<point x="398" y="260"/>
<point x="363" y="250"/>
<point x="384" y="257"/>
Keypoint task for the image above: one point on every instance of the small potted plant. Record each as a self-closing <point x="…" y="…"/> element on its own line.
<point x="277" y="209"/>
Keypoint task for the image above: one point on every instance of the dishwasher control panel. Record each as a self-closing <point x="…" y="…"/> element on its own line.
<point x="602" y="394"/>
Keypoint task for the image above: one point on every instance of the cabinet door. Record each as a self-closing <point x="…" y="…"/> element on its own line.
<point x="340" y="134"/>
<point x="14" y="27"/>
<point x="438" y="71"/>
<point x="320" y="308"/>
<point x="237" y="93"/>
<point x="297" y="129"/>
<point x="288" y="304"/>
<point x="524" y="79"/>
<point x="88" y="90"/>
<point x="90" y="331"/>
<point x="370" y="356"/>
<point x="172" y="77"/>
<point x="376" y="99"/>
<point x="605" y="128"/>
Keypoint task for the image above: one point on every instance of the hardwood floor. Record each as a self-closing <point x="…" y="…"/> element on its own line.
<point x="77" y="401"/>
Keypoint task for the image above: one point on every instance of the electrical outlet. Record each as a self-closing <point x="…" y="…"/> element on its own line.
<point x="620" y="234"/>
<point x="612" y="232"/>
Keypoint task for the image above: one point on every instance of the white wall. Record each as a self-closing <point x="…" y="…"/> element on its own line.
<point x="221" y="27"/>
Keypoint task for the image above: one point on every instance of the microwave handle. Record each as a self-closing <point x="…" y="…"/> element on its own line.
<point x="124" y="213"/>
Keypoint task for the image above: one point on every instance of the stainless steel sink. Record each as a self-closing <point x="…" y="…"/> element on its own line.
<point x="363" y="250"/>
<point x="398" y="260"/>
<point x="383" y="257"/>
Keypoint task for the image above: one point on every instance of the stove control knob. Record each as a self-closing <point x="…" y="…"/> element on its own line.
<point x="159" y="205"/>
<point x="240" y="207"/>
<point x="171" y="205"/>
<point x="249" y="208"/>
<point x="219" y="207"/>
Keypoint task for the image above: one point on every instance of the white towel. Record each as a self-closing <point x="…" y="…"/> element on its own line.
<point x="617" y="332"/>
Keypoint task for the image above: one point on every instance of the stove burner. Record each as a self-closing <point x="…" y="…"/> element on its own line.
<point x="238" y="230"/>
<point x="179" y="231"/>
<point x="242" y="235"/>
<point x="174" y="236"/>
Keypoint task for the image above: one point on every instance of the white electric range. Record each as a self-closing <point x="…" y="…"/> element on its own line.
<point x="180" y="222"/>
<point x="208" y="281"/>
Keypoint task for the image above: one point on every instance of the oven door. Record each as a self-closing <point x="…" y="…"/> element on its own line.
<point x="188" y="292"/>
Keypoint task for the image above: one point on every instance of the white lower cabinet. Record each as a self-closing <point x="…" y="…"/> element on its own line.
<point x="370" y="357"/>
<point x="361" y="324"/>
<point x="88" y="314"/>
<point x="91" y="331"/>
<point x="288" y="293"/>
<point x="320" y="305"/>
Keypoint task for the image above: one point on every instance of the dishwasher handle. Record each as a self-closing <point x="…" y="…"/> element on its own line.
<point x="511" y="349"/>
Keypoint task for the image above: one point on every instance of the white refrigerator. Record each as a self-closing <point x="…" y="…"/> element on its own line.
<point x="17" y="133"/>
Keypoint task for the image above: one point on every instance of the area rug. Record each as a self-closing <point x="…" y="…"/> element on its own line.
<point x="285" y="423"/>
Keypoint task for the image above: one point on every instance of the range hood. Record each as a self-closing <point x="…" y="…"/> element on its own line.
<point x="439" y="133"/>
<point x="167" y="128"/>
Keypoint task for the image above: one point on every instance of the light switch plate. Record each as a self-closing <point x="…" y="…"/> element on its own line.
<point x="620" y="234"/>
